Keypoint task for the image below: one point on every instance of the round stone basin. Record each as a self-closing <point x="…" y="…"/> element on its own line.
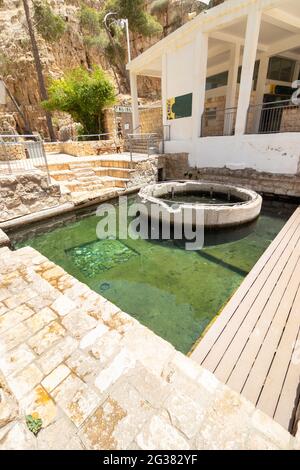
<point x="218" y="205"/>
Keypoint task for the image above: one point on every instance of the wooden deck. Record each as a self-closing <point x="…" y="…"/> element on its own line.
<point x="254" y="345"/>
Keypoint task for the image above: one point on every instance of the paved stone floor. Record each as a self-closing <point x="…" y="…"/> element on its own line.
<point x="99" y="380"/>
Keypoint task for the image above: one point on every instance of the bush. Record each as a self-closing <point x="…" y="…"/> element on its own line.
<point x="139" y="20"/>
<point x="83" y="95"/>
<point x="50" y="26"/>
<point x="90" y="20"/>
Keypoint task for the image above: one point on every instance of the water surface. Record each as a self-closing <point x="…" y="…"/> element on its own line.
<point x="174" y="292"/>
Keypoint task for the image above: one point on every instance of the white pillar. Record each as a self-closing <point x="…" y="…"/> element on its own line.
<point x="164" y="91"/>
<point x="260" y="90"/>
<point x="200" y="71"/>
<point x="249" y="56"/>
<point x="134" y="102"/>
<point x="231" y="88"/>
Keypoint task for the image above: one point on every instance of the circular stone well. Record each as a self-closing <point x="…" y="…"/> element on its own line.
<point x="221" y="205"/>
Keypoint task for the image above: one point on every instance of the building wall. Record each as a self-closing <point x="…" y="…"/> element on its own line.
<point x="273" y="153"/>
<point x="150" y="120"/>
<point x="179" y="81"/>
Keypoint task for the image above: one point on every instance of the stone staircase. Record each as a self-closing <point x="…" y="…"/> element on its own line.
<point x="93" y="175"/>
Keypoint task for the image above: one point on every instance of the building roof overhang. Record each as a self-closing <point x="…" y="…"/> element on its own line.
<point x="226" y="25"/>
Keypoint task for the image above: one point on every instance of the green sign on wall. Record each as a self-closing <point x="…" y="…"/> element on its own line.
<point x="180" y="106"/>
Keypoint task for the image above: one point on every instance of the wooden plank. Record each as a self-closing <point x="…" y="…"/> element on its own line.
<point x="258" y="295"/>
<point x="205" y="345"/>
<point x="254" y="362"/>
<point x="277" y="373"/>
<point x="262" y="309"/>
<point x="289" y="397"/>
<point x="259" y="371"/>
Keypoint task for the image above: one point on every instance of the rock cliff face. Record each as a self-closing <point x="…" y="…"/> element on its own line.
<point x="17" y="65"/>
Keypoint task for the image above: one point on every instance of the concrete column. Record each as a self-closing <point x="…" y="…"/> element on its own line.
<point x="164" y="91"/>
<point x="249" y="56"/>
<point x="200" y="71"/>
<point x="260" y="90"/>
<point x="135" y="103"/>
<point x="231" y="88"/>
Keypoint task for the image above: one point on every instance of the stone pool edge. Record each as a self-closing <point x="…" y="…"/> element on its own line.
<point x="107" y="382"/>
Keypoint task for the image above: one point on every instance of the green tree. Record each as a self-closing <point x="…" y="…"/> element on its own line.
<point x="50" y="26"/>
<point x="83" y="94"/>
<point x="140" y="21"/>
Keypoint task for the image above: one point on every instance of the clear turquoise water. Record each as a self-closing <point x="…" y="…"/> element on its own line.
<point x="174" y="292"/>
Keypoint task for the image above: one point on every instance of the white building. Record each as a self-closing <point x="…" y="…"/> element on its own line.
<point x="219" y="74"/>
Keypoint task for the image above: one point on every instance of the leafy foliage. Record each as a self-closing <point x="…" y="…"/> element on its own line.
<point x="34" y="424"/>
<point x="90" y="20"/>
<point x="83" y="95"/>
<point x="50" y="26"/>
<point x="140" y="21"/>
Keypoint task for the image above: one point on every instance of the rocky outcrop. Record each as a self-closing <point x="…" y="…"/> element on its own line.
<point x="25" y="193"/>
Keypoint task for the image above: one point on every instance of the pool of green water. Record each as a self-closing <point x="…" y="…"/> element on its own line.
<point x="176" y="293"/>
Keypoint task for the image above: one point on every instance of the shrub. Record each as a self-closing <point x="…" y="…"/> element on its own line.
<point x="83" y="94"/>
<point x="90" y="20"/>
<point x="50" y="26"/>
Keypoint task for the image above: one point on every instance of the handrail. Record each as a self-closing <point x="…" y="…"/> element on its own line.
<point x="137" y="127"/>
<point x="78" y="137"/>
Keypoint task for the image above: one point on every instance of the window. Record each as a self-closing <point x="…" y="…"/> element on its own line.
<point x="281" y="69"/>
<point x="216" y="81"/>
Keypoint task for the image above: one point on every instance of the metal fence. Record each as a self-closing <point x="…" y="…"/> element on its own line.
<point x="218" y="122"/>
<point x="273" y="117"/>
<point x="19" y="153"/>
<point x="142" y="144"/>
<point x="86" y="137"/>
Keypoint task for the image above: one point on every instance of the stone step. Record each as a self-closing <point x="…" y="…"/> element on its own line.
<point x="62" y="175"/>
<point x="79" y="165"/>
<point x="113" y="163"/>
<point x="85" y="179"/>
<point x="114" y="182"/>
<point x="113" y="171"/>
<point x="82" y="174"/>
<point x="77" y="186"/>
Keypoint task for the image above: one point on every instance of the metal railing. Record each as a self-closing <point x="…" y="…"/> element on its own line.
<point x="147" y="143"/>
<point x="86" y="137"/>
<point x="218" y="122"/>
<point x="274" y="117"/>
<point x="19" y="153"/>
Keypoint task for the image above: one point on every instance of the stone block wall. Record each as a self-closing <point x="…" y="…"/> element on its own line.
<point x="26" y="193"/>
<point x="267" y="183"/>
<point x="171" y="166"/>
<point x="12" y="152"/>
<point x="290" y="121"/>
<point x="151" y="120"/>
<point x="175" y="166"/>
<point x="83" y="149"/>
